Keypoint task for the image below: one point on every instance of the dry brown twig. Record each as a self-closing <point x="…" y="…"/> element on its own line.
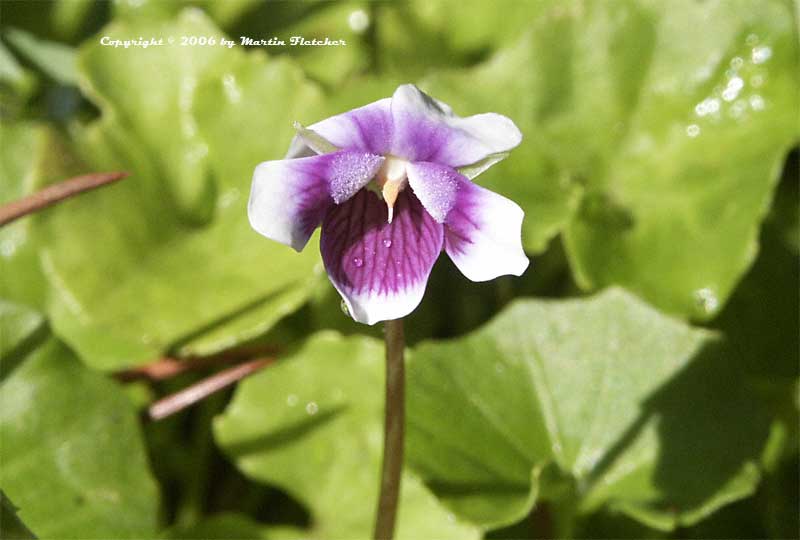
<point x="56" y="193"/>
<point x="168" y="367"/>
<point x="190" y="395"/>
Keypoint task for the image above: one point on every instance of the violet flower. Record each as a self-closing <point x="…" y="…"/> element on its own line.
<point x="390" y="184"/>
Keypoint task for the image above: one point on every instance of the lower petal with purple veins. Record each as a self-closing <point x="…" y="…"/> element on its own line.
<point x="289" y="198"/>
<point x="380" y="268"/>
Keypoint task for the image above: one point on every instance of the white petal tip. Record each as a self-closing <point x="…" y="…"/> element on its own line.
<point x="371" y="309"/>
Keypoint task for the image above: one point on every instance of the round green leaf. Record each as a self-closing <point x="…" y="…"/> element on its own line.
<point x="166" y="260"/>
<point x="598" y="387"/>
<point x="73" y="460"/>
<point x="312" y="424"/>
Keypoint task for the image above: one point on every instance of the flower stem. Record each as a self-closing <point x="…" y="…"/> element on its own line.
<point x="393" y="431"/>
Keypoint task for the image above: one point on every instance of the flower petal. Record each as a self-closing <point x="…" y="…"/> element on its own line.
<point x="436" y="186"/>
<point x="482" y="230"/>
<point x="426" y="129"/>
<point x="289" y="198"/>
<point x="366" y="129"/>
<point x="380" y="268"/>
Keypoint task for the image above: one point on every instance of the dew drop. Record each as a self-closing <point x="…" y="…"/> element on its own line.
<point x="693" y="130"/>
<point x="358" y="262"/>
<point x="291" y="400"/>
<point x="232" y="90"/>
<point x="358" y="21"/>
<point x="756" y="102"/>
<point x="706" y="301"/>
<point x="761" y="54"/>
<point x="343" y="307"/>
<point x="312" y="408"/>
<point x="738" y="108"/>
<point x="387" y="243"/>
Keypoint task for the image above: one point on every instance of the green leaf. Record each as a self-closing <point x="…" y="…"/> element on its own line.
<point x="17" y="323"/>
<point x="180" y="268"/>
<point x="449" y="33"/>
<point x="22" y="280"/>
<point x="312" y="424"/>
<point x="345" y="22"/>
<point x="674" y="136"/>
<point x="231" y="525"/>
<point x="13" y="528"/>
<point x="530" y="175"/>
<point x="597" y="387"/>
<point x="16" y="84"/>
<point x="73" y="459"/>
<point x="696" y="157"/>
<point x="52" y="58"/>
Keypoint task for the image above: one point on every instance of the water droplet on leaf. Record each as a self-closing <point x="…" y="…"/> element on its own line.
<point x="706" y="301"/>
<point x="312" y="408"/>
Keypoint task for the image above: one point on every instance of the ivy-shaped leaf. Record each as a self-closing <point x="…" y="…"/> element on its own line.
<point x="674" y="136"/>
<point x="312" y="424"/>
<point x="73" y="460"/>
<point x="166" y="260"/>
<point x="635" y="409"/>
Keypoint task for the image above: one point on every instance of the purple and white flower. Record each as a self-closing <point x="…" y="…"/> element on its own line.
<point x="390" y="184"/>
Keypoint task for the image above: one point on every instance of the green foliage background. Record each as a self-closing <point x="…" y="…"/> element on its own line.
<point x="639" y="381"/>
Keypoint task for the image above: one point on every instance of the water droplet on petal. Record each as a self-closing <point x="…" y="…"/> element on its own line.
<point x="312" y="408"/>
<point x="358" y="262"/>
<point x="387" y="243"/>
<point x="706" y="301"/>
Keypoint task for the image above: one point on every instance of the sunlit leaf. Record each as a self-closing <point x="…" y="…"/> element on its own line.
<point x="640" y="411"/>
<point x="231" y="525"/>
<point x="675" y="137"/>
<point x="178" y="266"/>
<point x="312" y="424"/>
<point x="52" y="58"/>
<point x="73" y="460"/>
<point x="21" y="279"/>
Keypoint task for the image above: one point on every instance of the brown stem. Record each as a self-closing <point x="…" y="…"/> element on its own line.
<point x="393" y="431"/>
<point x="55" y="193"/>
<point x="168" y="367"/>
<point x="178" y="401"/>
